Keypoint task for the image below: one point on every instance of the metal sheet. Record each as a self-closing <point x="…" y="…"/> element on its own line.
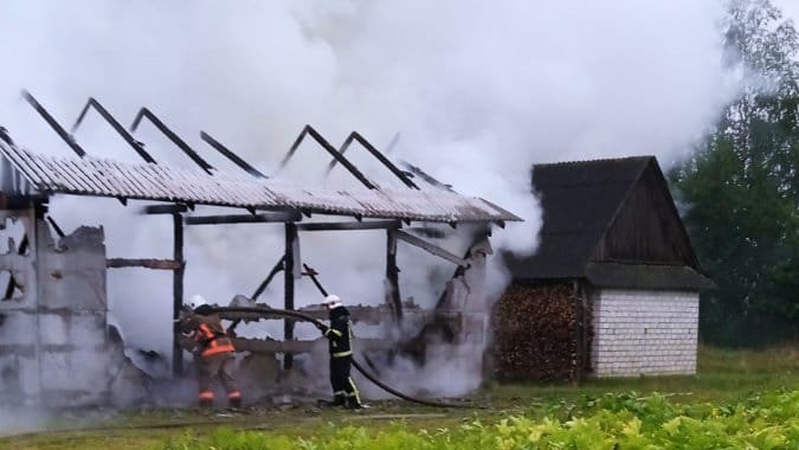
<point x="107" y="178"/>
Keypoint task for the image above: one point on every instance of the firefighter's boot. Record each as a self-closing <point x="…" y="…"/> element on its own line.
<point x="353" y="403"/>
<point x="339" y="400"/>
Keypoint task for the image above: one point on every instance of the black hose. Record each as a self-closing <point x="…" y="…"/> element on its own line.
<point x="306" y="318"/>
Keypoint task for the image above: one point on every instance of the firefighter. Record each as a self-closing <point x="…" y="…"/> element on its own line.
<point x="213" y="352"/>
<point x="339" y="335"/>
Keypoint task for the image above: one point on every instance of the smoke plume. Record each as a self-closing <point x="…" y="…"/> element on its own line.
<point x="478" y="91"/>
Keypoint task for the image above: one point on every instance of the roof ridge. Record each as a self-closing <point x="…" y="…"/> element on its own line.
<point x="597" y="160"/>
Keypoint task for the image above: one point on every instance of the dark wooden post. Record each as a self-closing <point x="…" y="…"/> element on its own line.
<point x="578" y="298"/>
<point x="177" y="292"/>
<point x="392" y="273"/>
<point x="288" y="272"/>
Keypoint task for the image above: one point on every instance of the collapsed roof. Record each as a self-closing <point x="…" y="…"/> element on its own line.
<point x="85" y="175"/>
<point x="108" y="178"/>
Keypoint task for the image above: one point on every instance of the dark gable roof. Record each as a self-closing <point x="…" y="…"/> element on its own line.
<point x="580" y="201"/>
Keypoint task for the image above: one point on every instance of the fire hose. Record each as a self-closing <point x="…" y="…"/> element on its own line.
<point x="306" y="318"/>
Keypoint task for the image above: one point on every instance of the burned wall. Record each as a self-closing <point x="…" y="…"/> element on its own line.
<point x="19" y="320"/>
<point x="53" y="335"/>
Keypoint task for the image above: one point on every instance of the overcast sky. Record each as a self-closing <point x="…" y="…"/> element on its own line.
<point x="790" y="8"/>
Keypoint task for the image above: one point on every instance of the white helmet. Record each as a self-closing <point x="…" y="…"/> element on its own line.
<point x="197" y="300"/>
<point x="333" y="301"/>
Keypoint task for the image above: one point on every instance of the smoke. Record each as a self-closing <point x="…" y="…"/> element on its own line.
<point x="790" y="9"/>
<point x="23" y="420"/>
<point x="478" y="91"/>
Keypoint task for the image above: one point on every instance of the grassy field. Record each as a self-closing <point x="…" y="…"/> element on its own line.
<point x="724" y="376"/>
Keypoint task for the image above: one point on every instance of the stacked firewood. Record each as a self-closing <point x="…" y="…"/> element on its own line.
<point x="535" y="333"/>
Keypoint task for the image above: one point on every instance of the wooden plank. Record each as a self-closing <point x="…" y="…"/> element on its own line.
<point x="431" y="248"/>
<point x="146" y="263"/>
<point x="165" y="209"/>
<point x="327" y="226"/>
<point x="177" y="290"/>
<point x="288" y="286"/>
<point x="295" y="346"/>
<point x="244" y="218"/>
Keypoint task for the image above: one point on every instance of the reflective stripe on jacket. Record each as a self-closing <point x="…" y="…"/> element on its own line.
<point x="339" y="334"/>
<point x="212" y="338"/>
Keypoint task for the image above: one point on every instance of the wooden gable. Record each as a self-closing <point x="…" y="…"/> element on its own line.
<point x="611" y="222"/>
<point x="647" y="227"/>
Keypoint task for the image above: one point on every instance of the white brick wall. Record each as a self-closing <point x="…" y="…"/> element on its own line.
<point x="644" y="333"/>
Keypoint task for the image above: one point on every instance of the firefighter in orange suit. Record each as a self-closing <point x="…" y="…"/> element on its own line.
<point x="339" y="335"/>
<point x="213" y="350"/>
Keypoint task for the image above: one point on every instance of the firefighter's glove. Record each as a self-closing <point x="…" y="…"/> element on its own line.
<point x="320" y="327"/>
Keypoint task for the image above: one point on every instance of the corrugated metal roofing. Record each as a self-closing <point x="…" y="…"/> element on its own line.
<point x="108" y="178"/>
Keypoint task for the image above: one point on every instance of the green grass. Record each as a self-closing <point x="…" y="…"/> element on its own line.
<point x="724" y="376"/>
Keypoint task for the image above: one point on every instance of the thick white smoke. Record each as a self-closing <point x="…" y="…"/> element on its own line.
<point x="790" y="9"/>
<point x="479" y="91"/>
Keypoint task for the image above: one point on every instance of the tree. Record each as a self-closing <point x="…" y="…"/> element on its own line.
<point x="741" y="188"/>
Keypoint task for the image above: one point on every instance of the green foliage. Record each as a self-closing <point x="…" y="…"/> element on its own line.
<point x="740" y="190"/>
<point x="768" y="420"/>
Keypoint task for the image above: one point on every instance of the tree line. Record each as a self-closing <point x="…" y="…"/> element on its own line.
<point x="738" y="192"/>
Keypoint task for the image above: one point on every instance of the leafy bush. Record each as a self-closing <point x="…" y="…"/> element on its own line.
<point x="612" y="421"/>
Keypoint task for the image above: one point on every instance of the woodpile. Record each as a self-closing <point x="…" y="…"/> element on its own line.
<point x="535" y="331"/>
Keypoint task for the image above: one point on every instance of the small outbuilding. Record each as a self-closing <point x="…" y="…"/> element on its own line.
<point x="613" y="288"/>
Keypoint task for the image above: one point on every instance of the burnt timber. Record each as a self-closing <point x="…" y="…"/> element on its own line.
<point x="179" y="191"/>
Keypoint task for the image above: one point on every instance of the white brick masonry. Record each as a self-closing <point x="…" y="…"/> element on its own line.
<point x="644" y="333"/>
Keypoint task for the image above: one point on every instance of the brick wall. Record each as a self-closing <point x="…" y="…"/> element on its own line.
<point x="644" y="333"/>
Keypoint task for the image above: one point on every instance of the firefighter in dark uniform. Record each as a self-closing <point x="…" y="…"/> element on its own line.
<point x="339" y="335"/>
<point x="213" y="351"/>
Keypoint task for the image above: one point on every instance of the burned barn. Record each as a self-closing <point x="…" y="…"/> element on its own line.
<point x="613" y="289"/>
<point x="56" y="344"/>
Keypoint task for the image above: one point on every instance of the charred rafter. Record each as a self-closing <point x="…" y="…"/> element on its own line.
<point x="310" y="131"/>
<point x="54" y="124"/>
<point x="145" y="113"/>
<point x="136" y="145"/>
<point x="330" y="226"/>
<point x="431" y="248"/>
<point x="165" y="209"/>
<point x="262" y="287"/>
<point x="287" y="216"/>
<point x="416" y="171"/>
<point x="146" y="263"/>
<point x="357" y="137"/>
<point x="55" y="226"/>
<point x="227" y="153"/>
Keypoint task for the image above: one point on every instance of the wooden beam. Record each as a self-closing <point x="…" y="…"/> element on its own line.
<point x="159" y="264"/>
<point x="165" y="209"/>
<point x="295" y="347"/>
<point x="431" y="248"/>
<point x="288" y="271"/>
<point x="330" y="226"/>
<point x="177" y="292"/>
<point x="226" y="152"/>
<point x="145" y="113"/>
<point x="392" y="274"/>
<point x="282" y="216"/>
